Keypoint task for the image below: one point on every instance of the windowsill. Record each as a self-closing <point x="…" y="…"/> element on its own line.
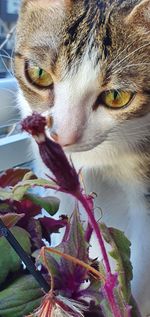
<point x="14" y="151"/>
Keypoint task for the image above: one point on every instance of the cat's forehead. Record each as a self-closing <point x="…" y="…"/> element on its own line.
<point x="68" y="22"/>
<point x="61" y="34"/>
<point x="50" y="25"/>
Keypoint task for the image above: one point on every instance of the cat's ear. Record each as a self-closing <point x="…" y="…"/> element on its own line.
<point x="140" y="15"/>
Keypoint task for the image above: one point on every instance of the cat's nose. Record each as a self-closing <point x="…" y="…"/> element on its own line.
<point x="58" y="139"/>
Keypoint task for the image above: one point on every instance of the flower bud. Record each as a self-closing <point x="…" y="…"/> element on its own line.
<point x="52" y="154"/>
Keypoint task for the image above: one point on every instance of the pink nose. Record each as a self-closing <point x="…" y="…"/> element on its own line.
<point x="58" y="139"/>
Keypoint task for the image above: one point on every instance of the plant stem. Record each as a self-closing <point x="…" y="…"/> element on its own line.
<point x="93" y="223"/>
<point x="71" y="258"/>
<point x="4" y="231"/>
<point x="88" y="232"/>
<point x="110" y="295"/>
<point x="42" y="252"/>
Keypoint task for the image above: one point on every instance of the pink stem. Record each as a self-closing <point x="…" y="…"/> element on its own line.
<point x="88" y="232"/>
<point x="92" y="221"/>
<point x="96" y="229"/>
<point x="112" y="303"/>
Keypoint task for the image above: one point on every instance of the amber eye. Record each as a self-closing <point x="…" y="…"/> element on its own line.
<point x="38" y="76"/>
<point x="116" y="98"/>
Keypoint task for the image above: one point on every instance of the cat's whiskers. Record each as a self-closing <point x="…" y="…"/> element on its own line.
<point x="4" y="56"/>
<point x="124" y="50"/>
<point x="131" y="53"/>
<point x="9" y="123"/>
<point x="12" y="92"/>
<point x="10" y="126"/>
<point x="120" y="53"/>
<point x="6" y="67"/>
<point x="128" y="66"/>
<point x="12" y="59"/>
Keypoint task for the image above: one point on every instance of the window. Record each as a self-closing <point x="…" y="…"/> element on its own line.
<point x="13" y="144"/>
<point x="8" y="17"/>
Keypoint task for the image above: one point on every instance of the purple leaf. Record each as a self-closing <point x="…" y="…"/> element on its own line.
<point x="25" y="205"/>
<point x="35" y="231"/>
<point x="50" y="204"/>
<point x="92" y="291"/>
<point x="10" y="219"/>
<point x="69" y="276"/>
<point x="50" y="225"/>
<point x="12" y="176"/>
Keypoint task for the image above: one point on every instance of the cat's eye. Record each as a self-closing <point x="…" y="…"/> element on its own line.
<point x="38" y="76"/>
<point x="116" y="98"/>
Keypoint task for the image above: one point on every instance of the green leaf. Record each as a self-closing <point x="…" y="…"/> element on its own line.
<point x="52" y="262"/>
<point x="123" y="307"/>
<point x="12" y="176"/>
<point x="20" y="189"/>
<point x="5" y="194"/>
<point x="121" y="253"/>
<point x="50" y="204"/>
<point x="9" y="260"/>
<point x="75" y="243"/>
<point x="29" y="175"/>
<point x="4" y="208"/>
<point x="123" y="245"/>
<point x="20" y="298"/>
<point x="106" y="308"/>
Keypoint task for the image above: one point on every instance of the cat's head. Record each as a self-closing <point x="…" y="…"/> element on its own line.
<point x="88" y="64"/>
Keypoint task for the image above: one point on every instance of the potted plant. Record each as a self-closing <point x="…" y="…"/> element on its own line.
<point x="60" y="281"/>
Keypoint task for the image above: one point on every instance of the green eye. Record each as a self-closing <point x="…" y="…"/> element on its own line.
<point x="116" y="98"/>
<point x="38" y="76"/>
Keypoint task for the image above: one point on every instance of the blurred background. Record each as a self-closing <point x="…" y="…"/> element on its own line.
<point x="8" y="17"/>
<point x="13" y="144"/>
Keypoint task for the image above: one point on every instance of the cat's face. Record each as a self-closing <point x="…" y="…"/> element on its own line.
<point x="87" y="63"/>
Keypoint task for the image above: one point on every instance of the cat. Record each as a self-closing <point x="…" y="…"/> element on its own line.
<point x="86" y="63"/>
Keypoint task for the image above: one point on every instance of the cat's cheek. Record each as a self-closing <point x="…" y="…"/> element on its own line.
<point x="96" y="131"/>
<point x="23" y="105"/>
<point x="37" y="100"/>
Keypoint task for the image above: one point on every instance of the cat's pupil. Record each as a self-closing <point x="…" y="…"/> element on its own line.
<point x="40" y="72"/>
<point x="115" y="94"/>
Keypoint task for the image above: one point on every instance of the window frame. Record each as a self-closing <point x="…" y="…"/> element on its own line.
<point x="11" y="17"/>
<point x="14" y="149"/>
